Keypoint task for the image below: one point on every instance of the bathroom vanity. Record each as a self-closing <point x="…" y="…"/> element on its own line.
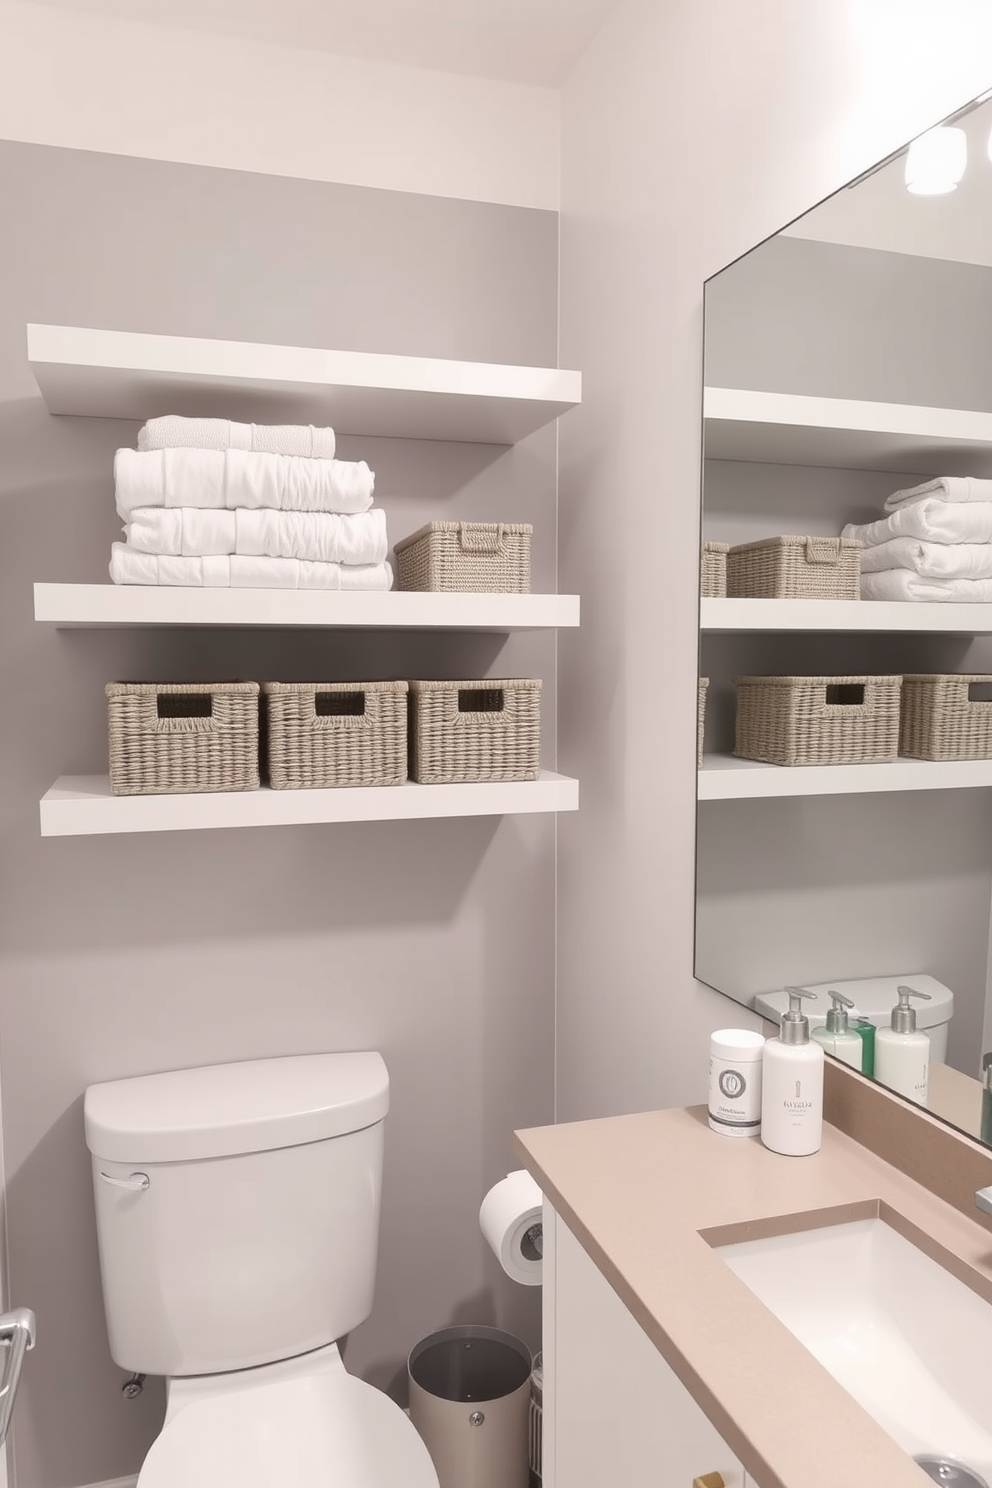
<point x="662" y="1366"/>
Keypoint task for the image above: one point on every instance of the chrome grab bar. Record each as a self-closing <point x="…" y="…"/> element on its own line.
<point x="17" y="1331"/>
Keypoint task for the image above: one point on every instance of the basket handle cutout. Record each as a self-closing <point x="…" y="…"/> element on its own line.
<point x="480" y="699"/>
<point x="184" y="705"/>
<point x="844" y="694"/>
<point x="339" y="704"/>
<point x="980" y="692"/>
<point x="480" y="542"/>
<point x="823" y="550"/>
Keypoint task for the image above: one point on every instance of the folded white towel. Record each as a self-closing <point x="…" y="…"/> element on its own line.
<point x="237" y="572"/>
<point x="931" y="560"/>
<point x="175" y="432"/>
<point x="930" y="520"/>
<point x="318" y="537"/>
<point x="901" y="584"/>
<point x="229" y="478"/>
<point x="944" y="488"/>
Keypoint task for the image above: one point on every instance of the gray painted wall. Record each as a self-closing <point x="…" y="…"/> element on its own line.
<point x="431" y="941"/>
<point x="794" y="891"/>
<point x="825" y="319"/>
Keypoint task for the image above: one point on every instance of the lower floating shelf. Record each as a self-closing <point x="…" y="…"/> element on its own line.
<point x="82" y="805"/>
<point x="725" y="778"/>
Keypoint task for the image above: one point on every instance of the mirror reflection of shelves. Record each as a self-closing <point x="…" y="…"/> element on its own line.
<point x="816" y="433"/>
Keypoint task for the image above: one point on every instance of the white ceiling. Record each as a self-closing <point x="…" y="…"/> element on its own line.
<point x="880" y="213"/>
<point x="523" y="41"/>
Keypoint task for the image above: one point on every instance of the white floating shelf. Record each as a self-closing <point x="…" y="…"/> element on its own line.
<point x="129" y="375"/>
<point x="82" y="805"/>
<point x="722" y="616"/>
<point x="724" y="778"/>
<point x="92" y="606"/>
<point x="789" y="429"/>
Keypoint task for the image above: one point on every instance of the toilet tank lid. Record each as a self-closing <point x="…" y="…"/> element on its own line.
<point x="222" y="1110"/>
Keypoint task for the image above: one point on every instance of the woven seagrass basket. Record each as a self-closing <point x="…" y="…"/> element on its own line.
<point x="818" y="720"/>
<point x="475" y="557"/>
<point x="475" y="731"/>
<point x="704" y="683"/>
<point x="176" y="737"/>
<point x="324" y="734"/>
<point x="942" y="718"/>
<point x="713" y="570"/>
<point x="795" y="568"/>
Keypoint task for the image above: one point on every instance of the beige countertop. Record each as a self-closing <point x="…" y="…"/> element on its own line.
<point x="648" y="1196"/>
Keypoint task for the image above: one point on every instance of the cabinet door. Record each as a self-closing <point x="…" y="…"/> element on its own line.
<point x="614" y="1412"/>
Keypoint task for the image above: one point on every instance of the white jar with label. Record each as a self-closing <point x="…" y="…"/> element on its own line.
<point x="735" y="1082"/>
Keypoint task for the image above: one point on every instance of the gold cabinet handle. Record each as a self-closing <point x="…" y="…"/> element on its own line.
<point x="709" y="1480"/>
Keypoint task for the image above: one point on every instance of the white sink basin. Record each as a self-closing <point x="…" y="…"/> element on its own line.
<point x="910" y="1342"/>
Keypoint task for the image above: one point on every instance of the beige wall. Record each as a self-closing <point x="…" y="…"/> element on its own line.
<point x="691" y="131"/>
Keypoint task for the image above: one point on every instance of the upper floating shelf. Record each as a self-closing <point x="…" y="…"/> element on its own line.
<point x="789" y="429"/>
<point x="94" y="606"/>
<point x="130" y="375"/>
<point x="723" y="616"/>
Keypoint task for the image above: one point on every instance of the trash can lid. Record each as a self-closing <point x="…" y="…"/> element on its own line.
<point x="316" y="1429"/>
<point x="469" y="1364"/>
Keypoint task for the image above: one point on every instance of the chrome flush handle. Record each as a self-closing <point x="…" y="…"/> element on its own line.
<point x="134" y="1183"/>
<point x="17" y="1332"/>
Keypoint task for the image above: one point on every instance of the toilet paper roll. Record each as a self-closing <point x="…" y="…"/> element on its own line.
<point x="510" y="1218"/>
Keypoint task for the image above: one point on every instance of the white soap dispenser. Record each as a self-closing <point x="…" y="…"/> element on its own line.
<point x="792" y="1085"/>
<point x="837" y="1037"/>
<point x="902" y="1052"/>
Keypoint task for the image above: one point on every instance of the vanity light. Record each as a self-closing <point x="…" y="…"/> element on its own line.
<point x="936" y="161"/>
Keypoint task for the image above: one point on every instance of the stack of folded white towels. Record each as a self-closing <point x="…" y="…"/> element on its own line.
<point x="206" y="501"/>
<point x="936" y="543"/>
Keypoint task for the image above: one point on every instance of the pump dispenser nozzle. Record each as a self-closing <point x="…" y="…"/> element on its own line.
<point x="795" y="1024"/>
<point x="904" y="1016"/>
<point x="837" y="1021"/>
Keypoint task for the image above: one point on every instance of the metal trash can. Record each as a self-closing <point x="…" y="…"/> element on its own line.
<point x="470" y="1401"/>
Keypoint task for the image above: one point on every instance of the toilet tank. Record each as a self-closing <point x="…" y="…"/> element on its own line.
<point x="237" y="1208"/>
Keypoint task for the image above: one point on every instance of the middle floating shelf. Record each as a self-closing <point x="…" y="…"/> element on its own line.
<point x="723" y="616"/>
<point x="723" y="777"/>
<point x="95" y="606"/>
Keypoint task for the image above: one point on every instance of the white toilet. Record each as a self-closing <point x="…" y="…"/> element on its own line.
<point x="238" y="1218"/>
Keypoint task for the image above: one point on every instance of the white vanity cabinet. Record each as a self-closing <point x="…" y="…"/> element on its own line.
<point x="614" y="1411"/>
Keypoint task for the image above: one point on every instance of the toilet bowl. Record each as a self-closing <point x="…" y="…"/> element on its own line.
<point x="237" y="1218"/>
<point x="272" y="1427"/>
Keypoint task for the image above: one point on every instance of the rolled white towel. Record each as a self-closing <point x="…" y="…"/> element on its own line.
<point x="943" y="488"/>
<point x="229" y="478"/>
<point x="930" y="520"/>
<point x="172" y="431"/>
<point x="127" y="566"/>
<point x="930" y="560"/>
<point x="321" y="537"/>
<point x="901" y="584"/>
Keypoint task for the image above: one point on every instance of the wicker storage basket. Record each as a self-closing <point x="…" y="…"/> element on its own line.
<point x="713" y="570"/>
<point x="475" y="731"/>
<point x="323" y="734"/>
<point x="704" y="682"/>
<point x="941" y="720"/>
<point x="818" y="720"/>
<point x="795" y="568"/>
<point x="173" y="737"/>
<point x="478" y="557"/>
